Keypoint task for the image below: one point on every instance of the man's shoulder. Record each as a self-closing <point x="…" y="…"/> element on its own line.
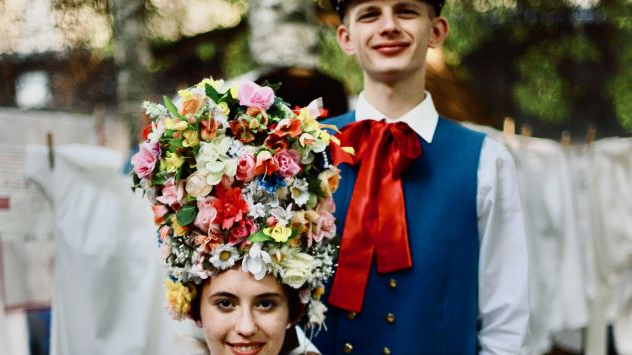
<point x="340" y="120"/>
<point x="459" y="129"/>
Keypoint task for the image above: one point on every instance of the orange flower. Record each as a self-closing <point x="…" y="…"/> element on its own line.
<point x="240" y="130"/>
<point x="265" y="164"/>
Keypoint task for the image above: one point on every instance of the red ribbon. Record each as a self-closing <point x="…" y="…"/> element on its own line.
<point x="376" y="218"/>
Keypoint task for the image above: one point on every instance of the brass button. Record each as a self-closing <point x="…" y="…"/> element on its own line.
<point x="386" y="351"/>
<point x="347" y="348"/>
<point x="351" y="315"/>
<point x="392" y="283"/>
<point x="390" y="318"/>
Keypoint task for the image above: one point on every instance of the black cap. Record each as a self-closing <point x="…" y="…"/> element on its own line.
<point x="341" y="5"/>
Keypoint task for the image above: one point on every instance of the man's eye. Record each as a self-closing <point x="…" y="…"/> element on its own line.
<point x="367" y="16"/>
<point x="407" y="13"/>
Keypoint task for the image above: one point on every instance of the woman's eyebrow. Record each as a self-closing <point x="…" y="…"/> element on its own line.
<point x="270" y="295"/>
<point x="222" y="294"/>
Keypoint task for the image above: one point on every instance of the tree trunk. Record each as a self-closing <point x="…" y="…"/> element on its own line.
<point x="132" y="57"/>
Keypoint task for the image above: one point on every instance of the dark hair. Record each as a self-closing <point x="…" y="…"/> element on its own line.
<point x="341" y="7"/>
<point x="296" y="307"/>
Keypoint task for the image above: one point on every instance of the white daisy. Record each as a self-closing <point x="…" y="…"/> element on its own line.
<point x="224" y="257"/>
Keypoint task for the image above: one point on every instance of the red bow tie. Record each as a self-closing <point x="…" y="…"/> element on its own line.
<point x="376" y="218"/>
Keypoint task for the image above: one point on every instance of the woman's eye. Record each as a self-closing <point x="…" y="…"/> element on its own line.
<point x="224" y="304"/>
<point x="266" y="304"/>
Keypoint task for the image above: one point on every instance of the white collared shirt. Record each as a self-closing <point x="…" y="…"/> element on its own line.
<point x="503" y="265"/>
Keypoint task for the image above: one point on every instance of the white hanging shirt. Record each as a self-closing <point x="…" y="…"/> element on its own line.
<point x="610" y="194"/>
<point x="503" y="263"/>
<point x="106" y="298"/>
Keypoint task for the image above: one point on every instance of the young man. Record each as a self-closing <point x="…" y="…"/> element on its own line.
<point x="433" y="256"/>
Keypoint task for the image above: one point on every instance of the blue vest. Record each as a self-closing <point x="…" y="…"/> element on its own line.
<point x="430" y="309"/>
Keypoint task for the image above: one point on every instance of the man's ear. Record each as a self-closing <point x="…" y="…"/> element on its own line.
<point x="440" y="30"/>
<point x="344" y="40"/>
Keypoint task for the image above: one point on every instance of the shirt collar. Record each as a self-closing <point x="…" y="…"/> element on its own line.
<point x="423" y="118"/>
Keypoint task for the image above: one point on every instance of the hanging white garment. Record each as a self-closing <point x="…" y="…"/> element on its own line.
<point x="610" y="192"/>
<point x="579" y="160"/>
<point x="108" y="285"/>
<point x="558" y="300"/>
<point x="557" y="292"/>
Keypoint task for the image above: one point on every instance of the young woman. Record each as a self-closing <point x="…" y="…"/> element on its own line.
<point x="241" y="188"/>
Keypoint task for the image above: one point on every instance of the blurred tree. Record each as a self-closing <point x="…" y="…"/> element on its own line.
<point x="132" y="58"/>
<point x="554" y="60"/>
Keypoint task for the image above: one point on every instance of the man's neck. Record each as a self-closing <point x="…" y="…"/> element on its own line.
<point x="394" y="99"/>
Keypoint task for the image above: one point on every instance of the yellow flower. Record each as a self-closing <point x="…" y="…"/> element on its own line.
<point x="185" y="94"/>
<point x="278" y="233"/>
<point x="233" y="91"/>
<point x="216" y="84"/>
<point x="179" y="296"/>
<point x="176" y="125"/>
<point x="308" y="122"/>
<point x="172" y="162"/>
<point x="224" y="107"/>
<point x="191" y="139"/>
<point x="325" y="137"/>
<point x="177" y="228"/>
<point x="318" y="292"/>
<point x="181" y="126"/>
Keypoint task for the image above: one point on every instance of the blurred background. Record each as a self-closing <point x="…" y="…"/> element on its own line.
<point x="557" y="71"/>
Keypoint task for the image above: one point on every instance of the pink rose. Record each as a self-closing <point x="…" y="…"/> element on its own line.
<point x="244" y="229"/>
<point x="253" y="95"/>
<point x="206" y="215"/>
<point x="288" y="162"/>
<point x="164" y="232"/>
<point x="171" y="193"/>
<point x="145" y="160"/>
<point x="164" y="251"/>
<point x="246" y="168"/>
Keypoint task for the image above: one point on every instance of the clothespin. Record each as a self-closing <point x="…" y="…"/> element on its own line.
<point x="526" y="130"/>
<point x="509" y="126"/>
<point x="591" y="133"/>
<point x="51" y="150"/>
<point x="565" y="139"/>
<point x="99" y="123"/>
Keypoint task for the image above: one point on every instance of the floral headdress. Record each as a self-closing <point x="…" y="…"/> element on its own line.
<point x="237" y="176"/>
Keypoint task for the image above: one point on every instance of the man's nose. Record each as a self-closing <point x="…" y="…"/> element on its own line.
<point x="388" y="22"/>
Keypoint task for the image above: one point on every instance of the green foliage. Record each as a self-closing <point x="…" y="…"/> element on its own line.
<point x="237" y="59"/>
<point x="548" y="38"/>
<point x="542" y="91"/>
<point x="335" y="63"/>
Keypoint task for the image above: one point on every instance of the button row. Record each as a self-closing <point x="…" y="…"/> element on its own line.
<point x="348" y="348"/>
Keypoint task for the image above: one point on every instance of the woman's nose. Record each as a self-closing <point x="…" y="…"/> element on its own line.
<point x="246" y="325"/>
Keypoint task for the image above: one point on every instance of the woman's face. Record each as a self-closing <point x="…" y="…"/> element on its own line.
<point x="243" y="316"/>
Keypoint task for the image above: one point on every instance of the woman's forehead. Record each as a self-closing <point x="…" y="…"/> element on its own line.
<point x="237" y="282"/>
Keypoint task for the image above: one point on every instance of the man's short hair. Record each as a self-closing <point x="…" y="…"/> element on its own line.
<point x="341" y="6"/>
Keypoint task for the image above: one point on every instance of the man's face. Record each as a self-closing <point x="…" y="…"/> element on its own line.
<point x="390" y="38"/>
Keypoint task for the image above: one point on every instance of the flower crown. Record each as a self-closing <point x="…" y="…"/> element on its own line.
<point x="237" y="176"/>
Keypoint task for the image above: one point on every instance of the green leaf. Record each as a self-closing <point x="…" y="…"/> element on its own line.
<point x="172" y="108"/>
<point x="211" y="92"/>
<point x="186" y="215"/>
<point x="176" y="143"/>
<point x="160" y="178"/>
<point x="259" y="237"/>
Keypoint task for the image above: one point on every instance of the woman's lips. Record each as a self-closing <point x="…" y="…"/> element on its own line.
<point x="246" y="348"/>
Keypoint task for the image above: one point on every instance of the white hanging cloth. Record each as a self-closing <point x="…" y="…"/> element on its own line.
<point x="107" y="295"/>
<point x="610" y="194"/>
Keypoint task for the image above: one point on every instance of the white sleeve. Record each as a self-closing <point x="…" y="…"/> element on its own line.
<point x="305" y="344"/>
<point x="503" y="264"/>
